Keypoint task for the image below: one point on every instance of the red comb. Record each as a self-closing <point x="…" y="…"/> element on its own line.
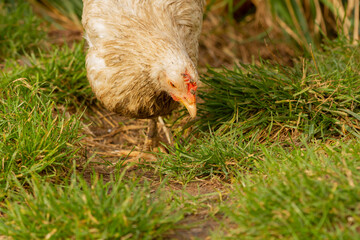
<point x="192" y="86"/>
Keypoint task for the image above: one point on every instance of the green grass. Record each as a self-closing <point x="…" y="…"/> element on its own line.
<point x="60" y="70"/>
<point x="215" y="154"/>
<point x="311" y="192"/>
<point x="282" y="140"/>
<point x="319" y="97"/>
<point x="113" y="210"/>
<point x="36" y="138"/>
<point x="38" y="88"/>
<point x="20" y="30"/>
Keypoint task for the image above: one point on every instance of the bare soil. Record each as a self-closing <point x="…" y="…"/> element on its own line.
<point x="114" y="143"/>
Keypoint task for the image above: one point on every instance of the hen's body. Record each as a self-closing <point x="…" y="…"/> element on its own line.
<point x="130" y="41"/>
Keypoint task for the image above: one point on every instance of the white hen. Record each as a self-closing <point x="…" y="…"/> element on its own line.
<point x="143" y="54"/>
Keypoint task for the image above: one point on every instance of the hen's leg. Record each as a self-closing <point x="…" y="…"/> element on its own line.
<point x="167" y="132"/>
<point x="152" y="135"/>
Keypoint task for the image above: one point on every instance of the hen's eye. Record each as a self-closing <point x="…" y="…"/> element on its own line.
<point x="172" y="84"/>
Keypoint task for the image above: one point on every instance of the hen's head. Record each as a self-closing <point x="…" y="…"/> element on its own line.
<point x="178" y="77"/>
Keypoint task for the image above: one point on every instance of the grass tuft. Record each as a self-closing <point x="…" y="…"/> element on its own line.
<point x="306" y="193"/>
<point x="21" y="31"/>
<point x="216" y="154"/>
<point x="318" y="97"/>
<point x="36" y="138"/>
<point x="113" y="210"/>
<point x="61" y="73"/>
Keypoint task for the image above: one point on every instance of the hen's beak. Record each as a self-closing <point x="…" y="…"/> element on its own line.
<point x="190" y="106"/>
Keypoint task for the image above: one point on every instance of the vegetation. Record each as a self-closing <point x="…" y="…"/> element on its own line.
<point x="278" y="145"/>
<point x="306" y="22"/>
<point x="103" y="211"/>
<point x="309" y="192"/>
<point x="318" y="97"/>
<point x="13" y="28"/>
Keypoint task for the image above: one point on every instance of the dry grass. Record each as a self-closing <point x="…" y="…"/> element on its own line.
<point x="225" y="41"/>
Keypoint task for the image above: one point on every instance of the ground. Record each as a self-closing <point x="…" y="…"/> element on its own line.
<point x="110" y="146"/>
<point x="286" y="166"/>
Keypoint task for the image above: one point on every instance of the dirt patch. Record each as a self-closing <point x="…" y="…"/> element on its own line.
<point x="114" y="143"/>
<point x="60" y="37"/>
<point x="197" y="226"/>
<point x="225" y="42"/>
